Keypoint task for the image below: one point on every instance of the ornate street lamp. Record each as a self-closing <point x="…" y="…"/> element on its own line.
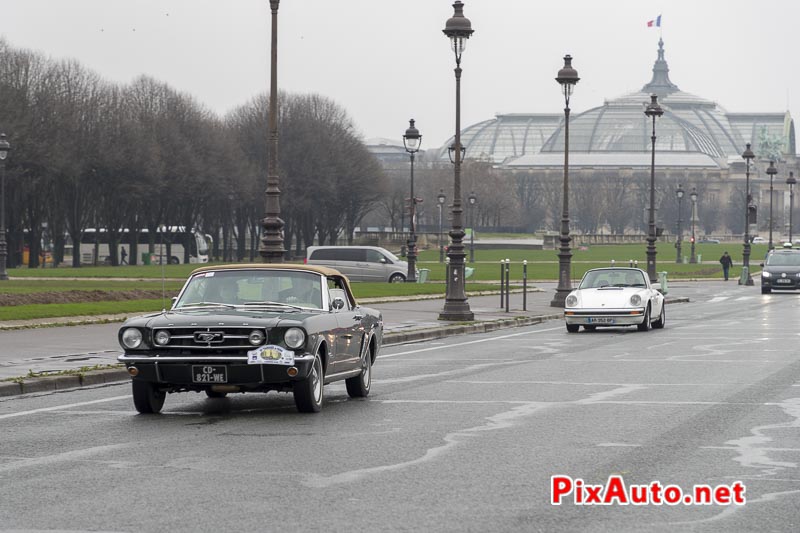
<point x="567" y="78"/>
<point x="5" y="147"/>
<point x="679" y="192"/>
<point x="790" y="181"/>
<point x="440" y="204"/>
<point x="771" y="171"/>
<point x="693" y="196"/>
<point x="411" y="140"/>
<point x="458" y="29"/>
<point x="472" y="201"/>
<point x="653" y="110"/>
<point x="451" y="150"/>
<point x="271" y="250"/>
<point x="748" y="156"/>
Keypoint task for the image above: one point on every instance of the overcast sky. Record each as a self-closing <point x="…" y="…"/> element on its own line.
<point x="386" y="61"/>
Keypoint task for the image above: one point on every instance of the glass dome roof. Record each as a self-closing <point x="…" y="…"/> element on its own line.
<point x="692" y="128"/>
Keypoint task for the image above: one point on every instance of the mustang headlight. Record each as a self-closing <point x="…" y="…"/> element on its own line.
<point x="162" y="337"/>
<point x="256" y="337"/>
<point x="572" y="300"/>
<point x="636" y="300"/>
<point x="765" y="274"/>
<point x="294" y="337"/>
<point x="132" y="338"/>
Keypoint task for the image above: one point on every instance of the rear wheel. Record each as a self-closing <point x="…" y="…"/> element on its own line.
<point x="308" y="393"/>
<point x="645" y="325"/>
<point x="147" y="398"/>
<point x="397" y="278"/>
<point x="662" y="318"/>
<point x="358" y="386"/>
<point x="174" y="261"/>
<point x="573" y="328"/>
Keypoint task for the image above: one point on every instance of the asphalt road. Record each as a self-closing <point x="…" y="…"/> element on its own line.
<point x="461" y="434"/>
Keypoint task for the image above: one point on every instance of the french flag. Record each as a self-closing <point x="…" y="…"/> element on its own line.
<point x="655" y="22"/>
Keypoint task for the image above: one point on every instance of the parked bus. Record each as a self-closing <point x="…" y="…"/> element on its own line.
<point x="170" y="246"/>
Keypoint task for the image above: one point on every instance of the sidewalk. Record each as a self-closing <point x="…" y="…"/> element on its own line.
<point x="407" y="320"/>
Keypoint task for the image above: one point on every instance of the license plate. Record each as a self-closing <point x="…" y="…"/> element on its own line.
<point x="600" y="320"/>
<point x="783" y="280"/>
<point x="209" y="374"/>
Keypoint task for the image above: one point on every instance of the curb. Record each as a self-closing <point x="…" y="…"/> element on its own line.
<point x="57" y="383"/>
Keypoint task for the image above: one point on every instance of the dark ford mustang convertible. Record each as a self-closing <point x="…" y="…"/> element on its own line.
<point x="254" y="328"/>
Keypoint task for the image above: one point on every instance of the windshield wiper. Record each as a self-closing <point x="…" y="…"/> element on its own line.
<point x="277" y="304"/>
<point x="207" y="304"/>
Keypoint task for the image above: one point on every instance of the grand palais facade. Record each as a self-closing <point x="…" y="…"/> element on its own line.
<point x="699" y="145"/>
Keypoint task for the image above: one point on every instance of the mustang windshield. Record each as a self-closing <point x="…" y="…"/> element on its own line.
<point x="253" y="287"/>
<point x="610" y="277"/>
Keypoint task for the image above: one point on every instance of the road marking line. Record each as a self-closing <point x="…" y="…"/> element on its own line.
<point x="62" y="407"/>
<point x="75" y="455"/>
<point x="467" y="343"/>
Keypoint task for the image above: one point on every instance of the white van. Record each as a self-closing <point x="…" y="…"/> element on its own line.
<point x="360" y="263"/>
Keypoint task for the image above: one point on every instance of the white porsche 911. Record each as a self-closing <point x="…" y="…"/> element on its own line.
<point x="610" y="297"/>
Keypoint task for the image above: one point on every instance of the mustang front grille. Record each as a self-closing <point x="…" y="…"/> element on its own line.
<point x="208" y="338"/>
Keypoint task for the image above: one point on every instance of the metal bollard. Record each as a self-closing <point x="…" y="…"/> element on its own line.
<point x="524" y="284"/>
<point x="508" y="284"/>
<point x="636" y="263"/>
<point x="613" y="262"/>
<point x="502" y="281"/>
<point x="630" y="263"/>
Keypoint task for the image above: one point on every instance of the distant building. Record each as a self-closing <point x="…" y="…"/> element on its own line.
<point x="698" y="144"/>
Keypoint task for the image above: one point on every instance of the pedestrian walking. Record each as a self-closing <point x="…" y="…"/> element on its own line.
<point x="727" y="263"/>
<point x="124" y="255"/>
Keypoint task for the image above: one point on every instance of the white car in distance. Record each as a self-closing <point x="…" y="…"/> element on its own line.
<point x="613" y="297"/>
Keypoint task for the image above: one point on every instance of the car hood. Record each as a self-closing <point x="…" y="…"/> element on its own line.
<point x="217" y="317"/>
<point x="608" y="297"/>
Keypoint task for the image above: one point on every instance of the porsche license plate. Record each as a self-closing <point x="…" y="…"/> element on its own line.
<point x="209" y="374"/>
<point x="600" y="320"/>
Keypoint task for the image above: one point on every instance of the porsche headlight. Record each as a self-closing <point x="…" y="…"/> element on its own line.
<point x="132" y="338"/>
<point x="572" y="300"/>
<point x="636" y="300"/>
<point x="256" y="337"/>
<point x="162" y="337"/>
<point x="294" y="337"/>
<point x="765" y="274"/>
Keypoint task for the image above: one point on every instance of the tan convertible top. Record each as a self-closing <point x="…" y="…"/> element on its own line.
<point x="325" y="271"/>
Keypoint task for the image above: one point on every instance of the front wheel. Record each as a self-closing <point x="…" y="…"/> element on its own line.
<point x="358" y="386"/>
<point x="645" y="325"/>
<point x="215" y="394"/>
<point x="174" y="261"/>
<point x="590" y="328"/>
<point x="308" y="393"/>
<point x="397" y="278"/>
<point x="147" y="398"/>
<point x="662" y="318"/>
<point x="765" y="290"/>
<point x="573" y="328"/>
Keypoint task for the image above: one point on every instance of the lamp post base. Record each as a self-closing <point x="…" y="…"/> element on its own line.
<point x="560" y="298"/>
<point x="456" y="311"/>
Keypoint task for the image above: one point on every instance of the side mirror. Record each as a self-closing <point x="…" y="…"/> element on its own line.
<point x="384" y="260"/>
<point x="173" y="300"/>
<point x="762" y="265"/>
<point x="338" y="303"/>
